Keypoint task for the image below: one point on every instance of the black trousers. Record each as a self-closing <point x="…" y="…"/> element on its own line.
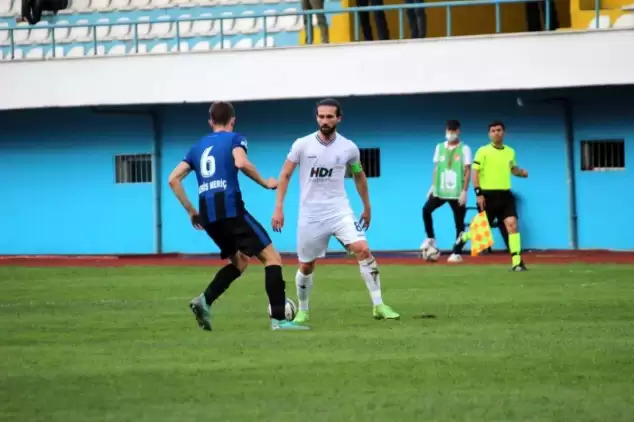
<point x="534" y="13"/>
<point x="382" y="29"/>
<point x="417" y="20"/>
<point x="432" y="204"/>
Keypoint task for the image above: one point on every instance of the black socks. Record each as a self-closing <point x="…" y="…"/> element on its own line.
<point x="276" y="290"/>
<point x="274" y="282"/>
<point x="221" y="282"/>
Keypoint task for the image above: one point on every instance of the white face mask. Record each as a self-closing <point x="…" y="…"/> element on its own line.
<point x="451" y="136"/>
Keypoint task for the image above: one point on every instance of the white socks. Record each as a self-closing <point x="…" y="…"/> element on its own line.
<point x="370" y="274"/>
<point x="303" y="283"/>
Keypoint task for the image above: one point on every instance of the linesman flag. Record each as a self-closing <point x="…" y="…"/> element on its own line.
<point x="480" y="234"/>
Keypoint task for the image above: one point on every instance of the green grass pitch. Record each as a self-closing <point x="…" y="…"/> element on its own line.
<point x="120" y="344"/>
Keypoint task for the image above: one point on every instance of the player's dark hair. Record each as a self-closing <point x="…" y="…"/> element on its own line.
<point x="221" y="113"/>
<point x="330" y="102"/>
<point x="497" y="123"/>
<point x="453" y="125"/>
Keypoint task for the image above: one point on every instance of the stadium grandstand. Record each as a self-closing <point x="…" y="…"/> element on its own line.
<point x="120" y="27"/>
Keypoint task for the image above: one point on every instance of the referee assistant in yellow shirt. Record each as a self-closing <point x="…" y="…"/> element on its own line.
<point x="492" y="168"/>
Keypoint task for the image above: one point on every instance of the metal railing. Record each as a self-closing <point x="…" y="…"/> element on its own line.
<point x="177" y="21"/>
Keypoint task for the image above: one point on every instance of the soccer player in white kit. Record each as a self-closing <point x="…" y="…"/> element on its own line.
<point x="325" y="211"/>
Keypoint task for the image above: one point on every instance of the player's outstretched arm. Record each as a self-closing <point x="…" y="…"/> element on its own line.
<point x="175" y="181"/>
<point x="361" y="183"/>
<point x="248" y="168"/>
<point x="466" y="178"/>
<point x="277" y="222"/>
<point x="466" y="174"/>
<point x="285" y="177"/>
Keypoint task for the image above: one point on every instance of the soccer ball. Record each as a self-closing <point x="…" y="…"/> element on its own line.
<point x="289" y="311"/>
<point x="430" y="253"/>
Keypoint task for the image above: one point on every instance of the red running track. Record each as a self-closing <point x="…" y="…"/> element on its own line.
<point x="542" y="257"/>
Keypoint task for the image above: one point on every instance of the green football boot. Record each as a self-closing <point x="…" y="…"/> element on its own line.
<point x="301" y="317"/>
<point x="384" y="312"/>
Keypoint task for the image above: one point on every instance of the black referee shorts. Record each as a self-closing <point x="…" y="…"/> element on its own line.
<point x="499" y="204"/>
<point x="243" y="233"/>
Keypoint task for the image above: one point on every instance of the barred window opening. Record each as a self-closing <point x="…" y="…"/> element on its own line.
<point x="370" y="161"/>
<point x="133" y="168"/>
<point x="603" y="155"/>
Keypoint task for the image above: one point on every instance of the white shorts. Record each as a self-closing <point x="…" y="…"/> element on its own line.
<point x="313" y="237"/>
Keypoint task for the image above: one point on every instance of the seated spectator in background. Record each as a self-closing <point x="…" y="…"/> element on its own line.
<point x="379" y="17"/>
<point x="417" y="20"/>
<point x="32" y="9"/>
<point x="322" y="23"/>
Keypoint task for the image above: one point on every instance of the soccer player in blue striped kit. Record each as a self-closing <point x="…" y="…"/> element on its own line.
<point x="216" y="159"/>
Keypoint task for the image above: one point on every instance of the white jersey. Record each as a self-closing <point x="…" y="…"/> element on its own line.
<point x="322" y="169"/>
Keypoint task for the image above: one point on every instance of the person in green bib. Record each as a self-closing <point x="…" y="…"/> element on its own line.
<point x="450" y="180"/>
<point x="493" y="166"/>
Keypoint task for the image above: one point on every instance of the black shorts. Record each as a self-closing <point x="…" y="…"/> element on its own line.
<point x="499" y="204"/>
<point x="242" y="233"/>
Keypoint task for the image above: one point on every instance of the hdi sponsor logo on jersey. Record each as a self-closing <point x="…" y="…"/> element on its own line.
<point x="320" y="172"/>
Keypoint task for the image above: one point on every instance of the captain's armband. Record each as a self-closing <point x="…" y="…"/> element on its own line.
<point x="356" y="168"/>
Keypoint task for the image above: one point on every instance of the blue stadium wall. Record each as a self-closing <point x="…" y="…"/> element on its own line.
<point x="59" y="195"/>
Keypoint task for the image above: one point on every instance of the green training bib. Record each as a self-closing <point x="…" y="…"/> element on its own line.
<point x="449" y="172"/>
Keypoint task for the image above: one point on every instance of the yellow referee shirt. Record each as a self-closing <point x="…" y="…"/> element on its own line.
<point x="494" y="166"/>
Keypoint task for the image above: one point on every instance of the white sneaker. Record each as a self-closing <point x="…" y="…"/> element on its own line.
<point x="454" y="257"/>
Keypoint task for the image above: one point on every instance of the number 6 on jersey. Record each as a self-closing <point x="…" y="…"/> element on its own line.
<point x="207" y="163"/>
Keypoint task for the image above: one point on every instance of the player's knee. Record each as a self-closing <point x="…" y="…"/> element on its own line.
<point x="361" y="250"/>
<point x="307" y="268"/>
<point x="240" y="261"/>
<point x="511" y="224"/>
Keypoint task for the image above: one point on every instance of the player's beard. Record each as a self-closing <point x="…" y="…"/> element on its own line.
<point x="327" y="130"/>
